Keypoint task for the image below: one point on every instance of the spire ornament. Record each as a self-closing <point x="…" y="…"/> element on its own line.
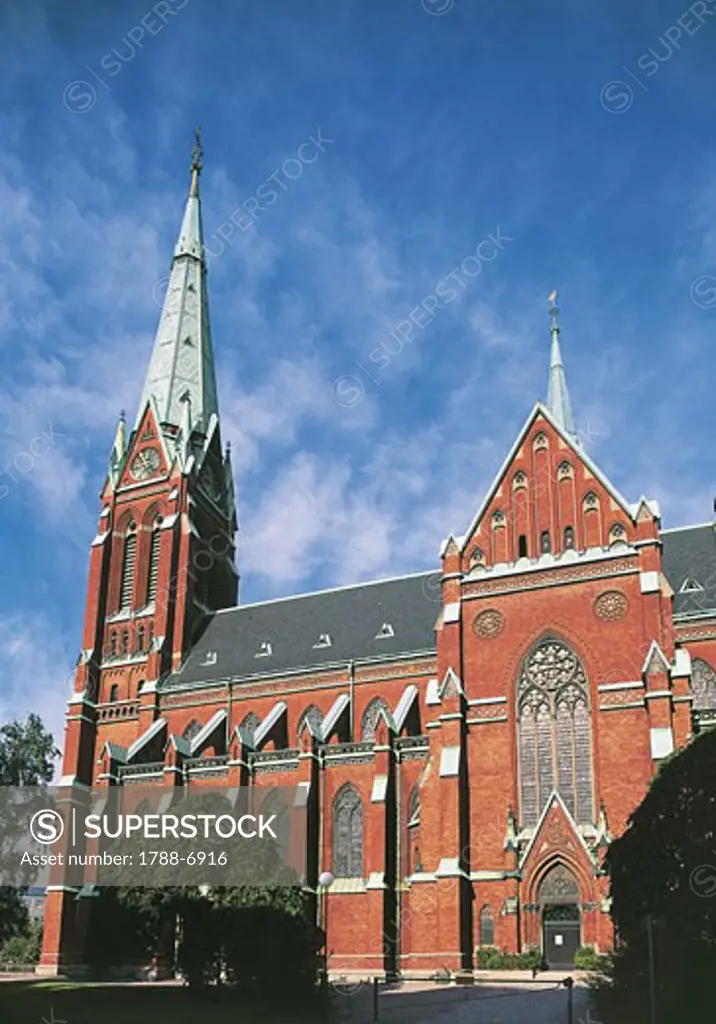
<point x="197" y="153"/>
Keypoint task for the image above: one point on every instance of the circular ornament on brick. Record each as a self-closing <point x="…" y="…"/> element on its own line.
<point x="611" y="605"/>
<point x="489" y="623"/>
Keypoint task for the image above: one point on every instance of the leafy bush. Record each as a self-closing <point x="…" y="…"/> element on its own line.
<point x="587" y="959"/>
<point x="490" y="958"/>
<point x="23" y="949"/>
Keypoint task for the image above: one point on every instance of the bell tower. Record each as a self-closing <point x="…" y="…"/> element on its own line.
<point x="163" y="557"/>
<point x="168" y="519"/>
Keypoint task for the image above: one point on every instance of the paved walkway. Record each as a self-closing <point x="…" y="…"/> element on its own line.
<point x="503" y="999"/>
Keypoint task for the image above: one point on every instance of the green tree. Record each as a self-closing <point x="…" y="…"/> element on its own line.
<point x="27" y="756"/>
<point x="27" y="753"/>
<point x="664" y="868"/>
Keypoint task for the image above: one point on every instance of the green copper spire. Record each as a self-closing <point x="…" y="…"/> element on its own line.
<point x="183" y="360"/>
<point x="557" y="395"/>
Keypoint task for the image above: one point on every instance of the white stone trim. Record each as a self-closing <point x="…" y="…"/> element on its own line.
<point x="449" y="867"/>
<point x="432" y="694"/>
<point x="637" y="684"/>
<point x="376" y="880"/>
<point x="380" y="788"/>
<point x="451" y="612"/>
<point x="449" y="762"/>
<point x="661" y="742"/>
<point x="649" y="582"/>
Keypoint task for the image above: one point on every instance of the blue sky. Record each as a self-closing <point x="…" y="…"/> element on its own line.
<point x="580" y="135"/>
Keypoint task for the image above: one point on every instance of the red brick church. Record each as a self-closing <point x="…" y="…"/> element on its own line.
<point x="469" y="739"/>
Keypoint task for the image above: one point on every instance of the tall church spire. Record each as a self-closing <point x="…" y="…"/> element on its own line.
<point x="183" y="358"/>
<point x="557" y="395"/>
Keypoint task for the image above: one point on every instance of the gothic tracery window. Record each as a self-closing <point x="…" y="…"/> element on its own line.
<point x="192" y="729"/>
<point x="558" y="886"/>
<point x="313" y="715"/>
<point x="703" y="687"/>
<point x="251" y="723"/>
<point x="413" y="823"/>
<point x="347" y="833"/>
<point x="554" y="732"/>
<point x="371" y="715"/>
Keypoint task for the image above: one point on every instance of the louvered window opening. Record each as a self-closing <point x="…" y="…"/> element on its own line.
<point x="153" y="566"/>
<point x="128" y="563"/>
<point x="554" y="733"/>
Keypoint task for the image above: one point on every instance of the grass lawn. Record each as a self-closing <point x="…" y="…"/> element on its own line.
<point x="28" y="1002"/>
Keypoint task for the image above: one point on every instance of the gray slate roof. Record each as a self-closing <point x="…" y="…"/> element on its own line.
<point x="690" y="554"/>
<point x="351" y="616"/>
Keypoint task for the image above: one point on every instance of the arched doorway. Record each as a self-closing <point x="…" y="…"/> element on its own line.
<point x="558" y="900"/>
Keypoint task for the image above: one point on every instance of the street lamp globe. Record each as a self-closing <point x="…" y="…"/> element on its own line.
<point x="325" y="878"/>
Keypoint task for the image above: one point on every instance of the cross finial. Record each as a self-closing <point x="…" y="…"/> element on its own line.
<point x="197" y="151"/>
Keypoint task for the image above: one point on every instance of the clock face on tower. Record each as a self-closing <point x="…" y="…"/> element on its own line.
<point x="145" y="464"/>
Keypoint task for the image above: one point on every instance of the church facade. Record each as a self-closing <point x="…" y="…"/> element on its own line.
<point x="470" y="738"/>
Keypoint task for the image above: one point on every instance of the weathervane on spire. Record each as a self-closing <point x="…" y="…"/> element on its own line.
<point x="197" y="151"/>
<point x="554" y="310"/>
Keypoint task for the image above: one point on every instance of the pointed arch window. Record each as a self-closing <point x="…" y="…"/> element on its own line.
<point x="125" y="641"/>
<point x="129" y="557"/>
<point x="113" y="692"/>
<point x="192" y="730"/>
<point x="568" y="538"/>
<point x="251" y="723"/>
<point x="347" y="833"/>
<point x="413" y="846"/>
<point x="545" y="542"/>
<point x="153" y="573"/>
<point x="140" y="639"/>
<point x="487" y="927"/>
<point x="703" y="687"/>
<point x="113" y="644"/>
<point x="311" y="715"/>
<point x="558" y="886"/>
<point x="554" y="734"/>
<point x="370" y="718"/>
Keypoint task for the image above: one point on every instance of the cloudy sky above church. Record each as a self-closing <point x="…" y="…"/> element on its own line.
<point x="390" y="193"/>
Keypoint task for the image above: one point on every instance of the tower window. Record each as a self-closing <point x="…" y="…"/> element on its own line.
<point x="125" y="641"/>
<point x="545" y="542"/>
<point x="113" y="692"/>
<point x="153" y="574"/>
<point x="140" y="639"/>
<point x="522" y="546"/>
<point x="568" y="538"/>
<point x="113" y="644"/>
<point x="126" y="589"/>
